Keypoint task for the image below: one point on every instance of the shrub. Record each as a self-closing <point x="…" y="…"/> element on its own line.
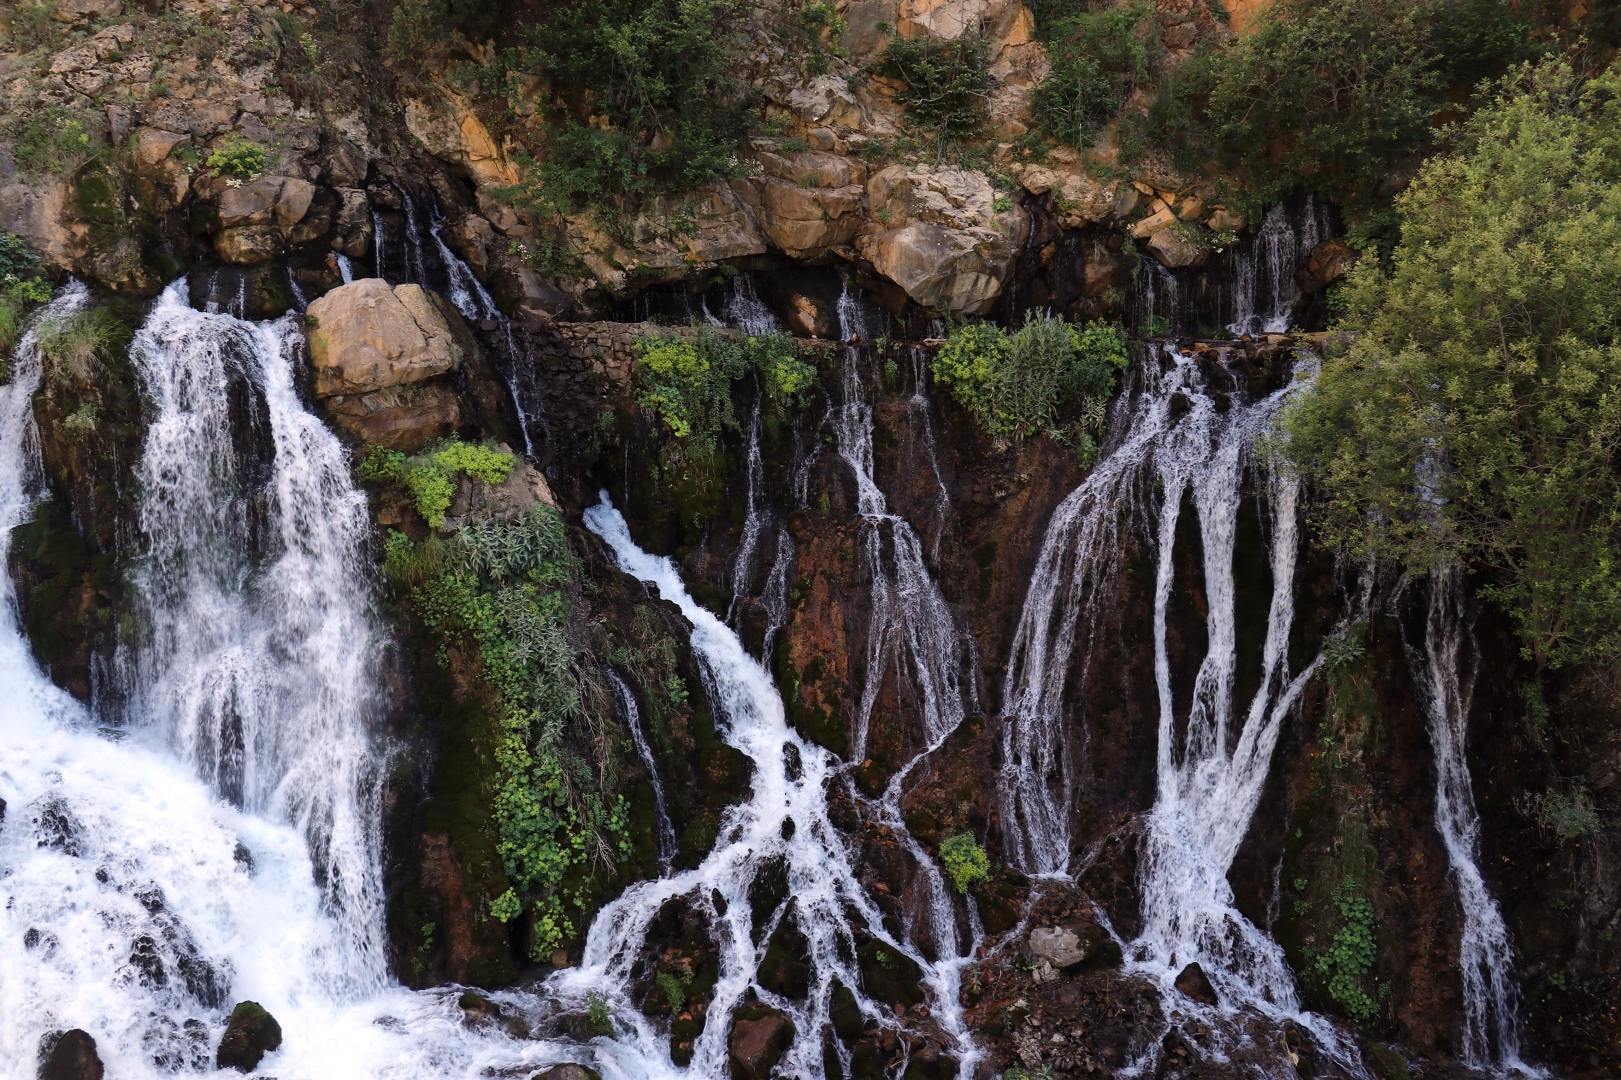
<point x="50" y="140"/>
<point x="1097" y="58"/>
<point x="430" y="477"/>
<point x="1474" y="420"/>
<point x="1013" y="384"/>
<point x="28" y="25"/>
<point x="786" y="378"/>
<point x="74" y="349"/>
<point x="965" y="861"/>
<point x="944" y="83"/>
<point x="239" y="158"/>
<point x="1351" y="956"/>
<point x="652" y="102"/>
<point x="690" y="386"/>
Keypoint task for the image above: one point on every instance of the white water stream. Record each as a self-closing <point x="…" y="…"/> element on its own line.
<point x="1444" y="669"/>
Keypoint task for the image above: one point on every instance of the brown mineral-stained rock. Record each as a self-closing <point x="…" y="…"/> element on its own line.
<point x="153" y="145"/>
<point x="249" y="245"/>
<point x="365" y="336"/>
<point x="250" y="1034"/>
<point x="404" y="418"/>
<point x="567" y="1071"/>
<point x="1327" y="263"/>
<point x="757" y="1045"/>
<point x="1192" y="982"/>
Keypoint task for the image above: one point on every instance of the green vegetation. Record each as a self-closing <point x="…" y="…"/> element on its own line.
<point x="1098" y="58"/>
<point x="1332" y="94"/>
<point x="1475" y="419"/>
<point x="20" y="287"/>
<point x="502" y="586"/>
<point x="430" y="476"/>
<point x="74" y="349"/>
<point x="816" y="29"/>
<point x="965" y="860"/>
<point x="1014" y="383"/>
<point x="944" y="82"/>
<point x="25" y="26"/>
<point x="50" y="140"/>
<point x="1351" y="956"/>
<point x="674" y="988"/>
<point x="689" y="383"/>
<point x="597" y="1016"/>
<point x="239" y="158"/>
<point x="649" y="103"/>
<point x="1567" y="817"/>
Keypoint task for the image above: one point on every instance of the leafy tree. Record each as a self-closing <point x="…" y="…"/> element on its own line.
<point x="944" y="83"/>
<point x="1476" y="418"/>
<point x="1097" y="59"/>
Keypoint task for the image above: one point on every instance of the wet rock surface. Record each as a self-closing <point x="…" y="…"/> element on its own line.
<point x="250" y="1034"/>
<point x="69" y="1055"/>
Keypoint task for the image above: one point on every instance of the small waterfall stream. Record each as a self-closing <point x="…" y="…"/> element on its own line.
<point x="1444" y="668"/>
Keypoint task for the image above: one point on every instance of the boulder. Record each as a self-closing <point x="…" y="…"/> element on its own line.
<point x="1059" y="946"/>
<point x="282" y="200"/>
<point x="250" y="1034"/>
<point x="1326" y="264"/>
<point x="1191" y="982"/>
<point x="1173" y="249"/>
<point x="945" y="269"/>
<point x="365" y="336"/>
<point x="1224" y="219"/>
<point x="814" y="169"/>
<point x="758" y="1044"/>
<point x="1156" y="222"/>
<point x="249" y="245"/>
<point x="78" y="10"/>
<point x="69" y="1055"/>
<point x="569" y="1070"/>
<point x="803" y="220"/>
<point x="152" y="145"/>
<point x="404" y="418"/>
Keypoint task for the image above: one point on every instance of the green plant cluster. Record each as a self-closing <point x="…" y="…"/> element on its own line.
<point x="965" y="860"/>
<point x="1567" y="817"/>
<point x="816" y="29"/>
<point x="1330" y="94"/>
<point x="501" y="584"/>
<point x="944" y="83"/>
<point x="20" y="287"/>
<point x="1098" y="58"/>
<point x="674" y="988"/>
<point x="74" y="349"/>
<point x="238" y="157"/>
<point x="689" y="383"/>
<point x="50" y="140"/>
<point x="1014" y="383"/>
<point x="647" y="101"/>
<point x="1351" y="956"/>
<point x="430" y="477"/>
<point x="1475" y="419"/>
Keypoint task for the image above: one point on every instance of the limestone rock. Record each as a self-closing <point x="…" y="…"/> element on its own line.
<point x="1079" y="199"/>
<point x="153" y="145"/>
<point x="404" y="418"/>
<point x="1191" y="982"/>
<point x="1057" y="945"/>
<point x="757" y="1045"/>
<point x="1173" y="249"/>
<point x="1224" y="218"/>
<point x="802" y="220"/>
<point x="249" y="245"/>
<point x="250" y="1034"/>
<point x="37" y="214"/>
<point x="1156" y="222"/>
<point x="69" y="1055"/>
<point x="365" y="336"/>
<point x="78" y="10"/>
<point x="815" y="169"/>
<point x="945" y="245"/>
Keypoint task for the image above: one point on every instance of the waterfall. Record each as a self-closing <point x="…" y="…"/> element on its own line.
<point x="785" y="816"/>
<point x="1172" y="440"/>
<point x="744" y="308"/>
<point x="755" y="515"/>
<point x="346" y="269"/>
<point x="644" y="750"/>
<point x="910" y="620"/>
<point x="1444" y="670"/>
<point x="258" y="648"/>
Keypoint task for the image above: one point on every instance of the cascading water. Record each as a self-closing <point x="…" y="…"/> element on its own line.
<point x="785" y="817"/>
<point x="910" y="627"/>
<point x="633" y="721"/>
<point x="1173" y="440"/>
<point x="1444" y="669"/>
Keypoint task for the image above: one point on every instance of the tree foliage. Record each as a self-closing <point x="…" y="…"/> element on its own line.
<point x="944" y="83"/>
<point x="1097" y="59"/>
<point x="1476" y="418"/>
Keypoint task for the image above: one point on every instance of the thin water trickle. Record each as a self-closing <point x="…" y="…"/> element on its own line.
<point x="1444" y="667"/>
<point x="346" y="269"/>
<point x="632" y="715"/>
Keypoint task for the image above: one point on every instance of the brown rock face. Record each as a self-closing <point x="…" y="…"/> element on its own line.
<point x="1191" y="981"/>
<point x="1326" y="264"/>
<point x="1174" y="250"/>
<point x="757" y="1045"/>
<point x="69" y="1055"/>
<point x="567" y="1071"/>
<point x="400" y="417"/>
<point x="365" y="336"/>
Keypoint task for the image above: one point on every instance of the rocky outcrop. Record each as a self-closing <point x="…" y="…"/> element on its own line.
<point x="69" y="1055"/>
<point x="250" y="1034"/>
<point x="757" y="1044"/>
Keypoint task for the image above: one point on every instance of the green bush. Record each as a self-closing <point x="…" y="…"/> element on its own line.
<point x="75" y="348"/>
<point x="239" y="158"/>
<point x="1097" y="59"/>
<point x="690" y="386"/>
<point x="1014" y="383"/>
<point x="1474" y="420"/>
<point x="28" y="25"/>
<point x="651" y="101"/>
<point x="965" y="861"/>
<point x="51" y="140"/>
<point x="787" y="379"/>
<point x="1351" y="956"/>
<point x="944" y="83"/>
<point x="430" y="476"/>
